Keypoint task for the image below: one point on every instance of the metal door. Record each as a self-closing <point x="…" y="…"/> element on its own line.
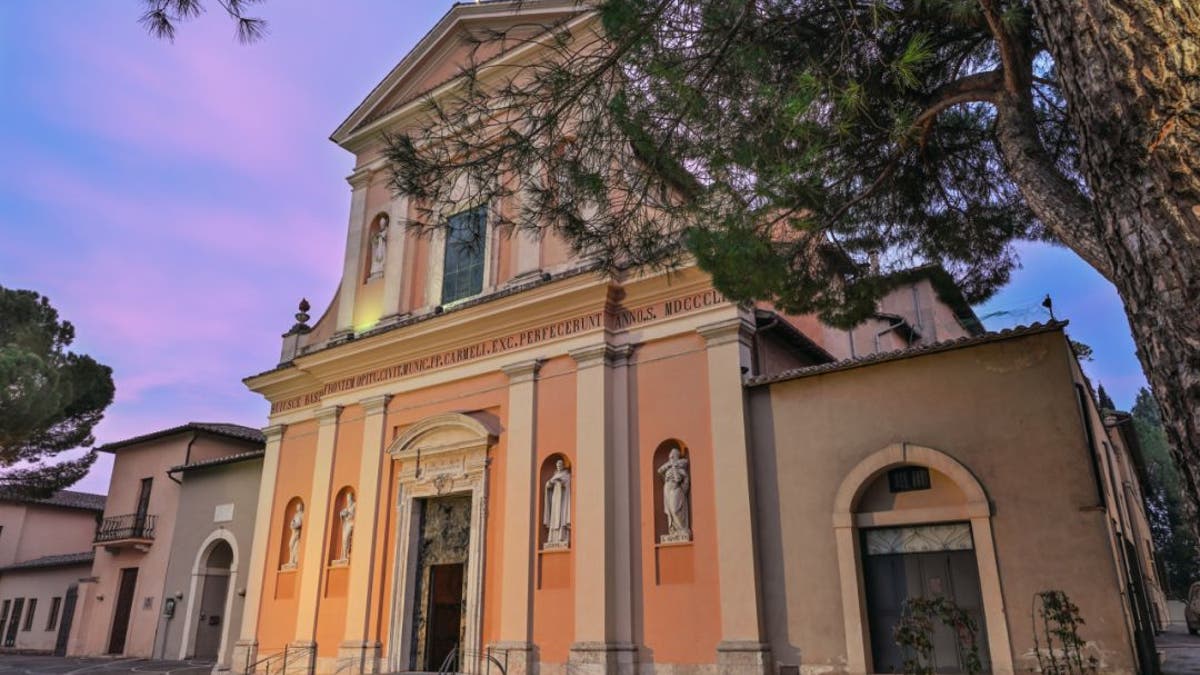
<point x="211" y="622"/>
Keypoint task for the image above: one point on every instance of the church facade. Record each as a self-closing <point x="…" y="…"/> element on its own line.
<point x="492" y="459"/>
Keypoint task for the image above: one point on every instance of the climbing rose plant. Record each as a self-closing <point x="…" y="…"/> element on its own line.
<point x="914" y="634"/>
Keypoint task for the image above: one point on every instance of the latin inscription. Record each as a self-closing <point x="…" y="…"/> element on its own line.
<point x="619" y="320"/>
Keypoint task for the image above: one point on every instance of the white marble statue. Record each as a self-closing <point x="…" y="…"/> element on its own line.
<point x="557" y="507"/>
<point x="676" y="484"/>
<point x="378" y="248"/>
<point x="347" y="516"/>
<point x="294" y="542"/>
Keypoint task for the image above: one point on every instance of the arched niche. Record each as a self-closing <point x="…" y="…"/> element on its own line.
<point x="290" y="539"/>
<point x="660" y="459"/>
<point x="341" y="527"/>
<point x="375" y="245"/>
<point x="549" y="468"/>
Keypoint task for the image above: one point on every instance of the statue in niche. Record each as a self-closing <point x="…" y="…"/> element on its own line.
<point x="676" y="484"/>
<point x="378" y="248"/>
<point x="347" y="516"/>
<point x="296" y="525"/>
<point x="557" y="507"/>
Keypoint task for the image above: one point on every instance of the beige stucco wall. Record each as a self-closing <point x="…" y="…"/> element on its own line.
<point x="26" y="526"/>
<point x="98" y="599"/>
<point x="196" y="531"/>
<point x="43" y="585"/>
<point x="1007" y="412"/>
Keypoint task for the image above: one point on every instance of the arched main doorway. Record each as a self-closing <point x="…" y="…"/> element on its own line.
<point x="207" y="626"/>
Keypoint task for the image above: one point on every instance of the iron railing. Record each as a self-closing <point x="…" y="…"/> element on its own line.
<point x="128" y="526"/>
<point x="451" y="664"/>
<point x="277" y="663"/>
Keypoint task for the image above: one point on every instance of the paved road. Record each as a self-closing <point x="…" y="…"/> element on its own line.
<point x="1181" y="652"/>
<point x="15" y="664"/>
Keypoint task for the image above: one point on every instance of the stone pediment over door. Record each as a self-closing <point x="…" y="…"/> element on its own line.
<point x="452" y="44"/>
<point x="451" y="445"/>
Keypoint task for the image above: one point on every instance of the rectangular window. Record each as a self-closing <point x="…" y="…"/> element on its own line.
<point x="466" y="246"/>
<point x="29" y="615"/>
<point x="55" y="606"/>
<point x="10" y="633"/>
<point x="908" y="478"/>
<point x="143" y="505"/>
<point x="4" y="615"/>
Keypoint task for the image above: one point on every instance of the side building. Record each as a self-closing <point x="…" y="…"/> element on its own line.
<point x="206" y="576"/>
<point x="121" y="607"/>
<point x="45" y="551"/>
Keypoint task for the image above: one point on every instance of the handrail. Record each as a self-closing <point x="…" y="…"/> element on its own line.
<point x="288" y="650"/>
<point x="127" y="526"/>
<point x="455" y="653"/>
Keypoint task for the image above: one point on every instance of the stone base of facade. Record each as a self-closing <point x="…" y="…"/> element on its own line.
<point x="743" y="658"/>
<point x="359" y="658"/>
<point x="245" y="653"/>
<point x="516" y="657"/>
<point x="301" y="659"/>
<point x="602" y="658"/>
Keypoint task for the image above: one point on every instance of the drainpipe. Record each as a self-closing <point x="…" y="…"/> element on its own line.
<point x="187" y="457"/>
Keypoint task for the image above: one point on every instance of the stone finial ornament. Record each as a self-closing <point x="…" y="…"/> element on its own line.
<point x="302" y="317"/>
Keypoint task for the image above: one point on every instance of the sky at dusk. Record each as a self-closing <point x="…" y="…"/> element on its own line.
<point x="176" y="200"/>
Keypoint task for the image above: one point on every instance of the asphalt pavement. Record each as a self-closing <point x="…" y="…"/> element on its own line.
<point x="18" y="664"/>
<point x="1180" y="651"/>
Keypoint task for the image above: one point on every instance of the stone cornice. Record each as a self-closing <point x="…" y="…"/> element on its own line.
<point x="328" y="414"/>
<point x="522" y="371"/>
<point x="374" y="405"/>
<point x="723" y="332"/>
<point x="274" y="432"/>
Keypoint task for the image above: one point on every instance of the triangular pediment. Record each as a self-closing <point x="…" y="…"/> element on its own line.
<point x="451" y="44"/>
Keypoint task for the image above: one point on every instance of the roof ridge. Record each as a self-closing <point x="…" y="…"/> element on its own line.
<point x="908" y="352"/>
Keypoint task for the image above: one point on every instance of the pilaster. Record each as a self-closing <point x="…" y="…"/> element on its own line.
<point x="245" y="650"/>
<point x="316" y="515"/>
<point x="360" y="646"/>
<point x="519" y="493"/>
<point x="351" y="272"/>
<point x="741" y="650"/>
<point x="602" y="632"/>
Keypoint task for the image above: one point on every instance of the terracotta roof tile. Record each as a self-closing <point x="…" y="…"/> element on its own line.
<point x="62" y="560"/>
<point x="235" y="431"/>
<point x="883" y="357"/>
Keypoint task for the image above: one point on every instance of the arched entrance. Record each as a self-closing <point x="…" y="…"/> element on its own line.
<point x="911" y="521"/>
<point x="210" y="600"/>
<point x="437" y="603"/>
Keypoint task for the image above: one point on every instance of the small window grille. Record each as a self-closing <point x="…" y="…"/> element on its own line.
<point x="908" y="478"/>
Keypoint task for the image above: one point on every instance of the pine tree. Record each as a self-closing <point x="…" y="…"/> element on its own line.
<point x="50" y="398"/>
<point x="1173" y="537"/>
<point x="784" y="144"/>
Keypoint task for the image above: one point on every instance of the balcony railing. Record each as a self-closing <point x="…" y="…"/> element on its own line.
<point x="129" y="526"/>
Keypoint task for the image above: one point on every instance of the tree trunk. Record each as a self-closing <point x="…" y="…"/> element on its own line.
<point x="1130" y="71"/>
